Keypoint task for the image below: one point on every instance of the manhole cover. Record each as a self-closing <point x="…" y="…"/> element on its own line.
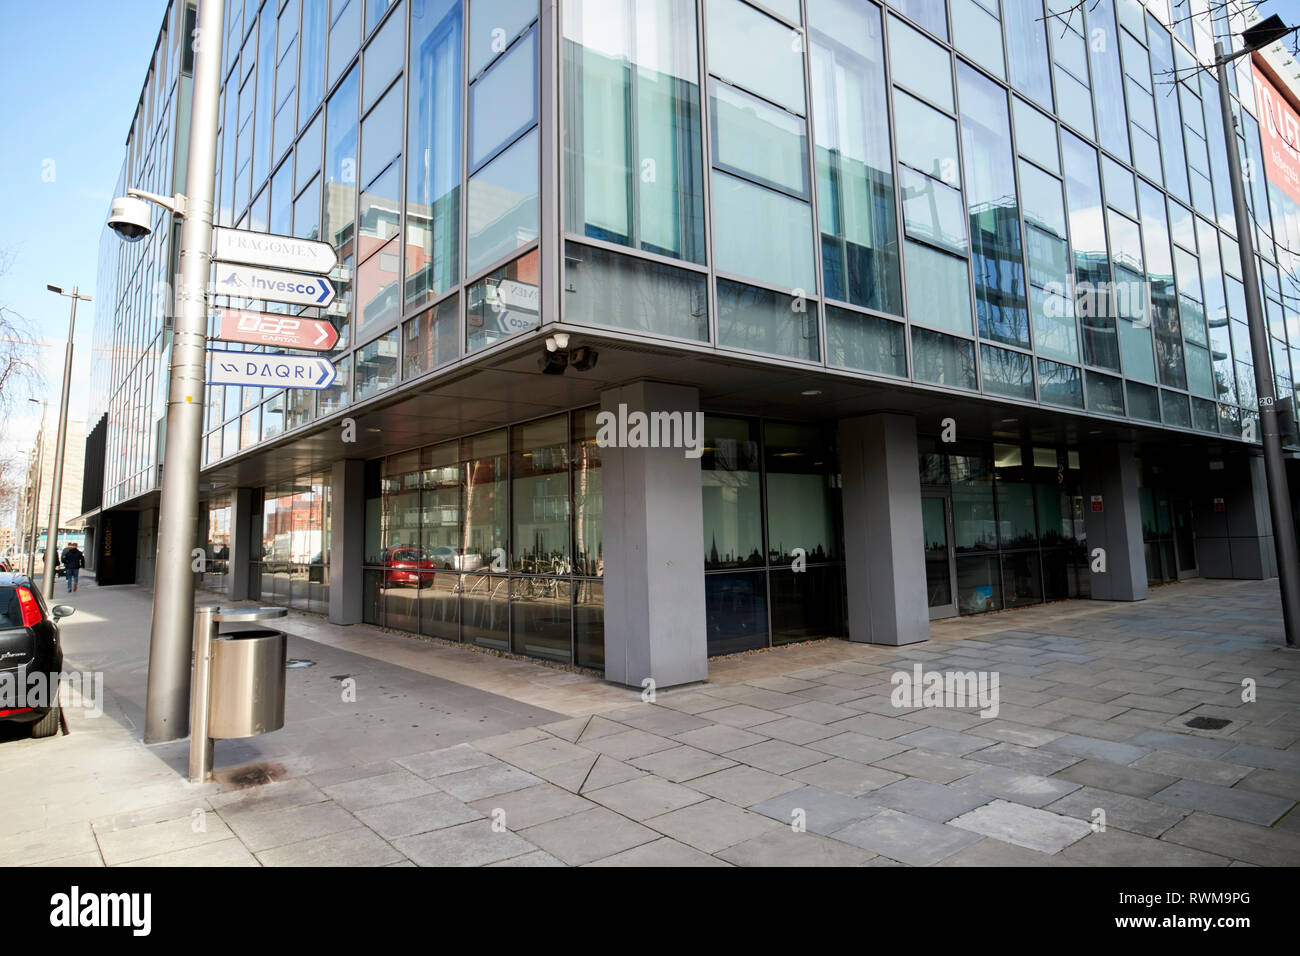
<point x="1208" y="723"/>
<point x="295" y="662"/>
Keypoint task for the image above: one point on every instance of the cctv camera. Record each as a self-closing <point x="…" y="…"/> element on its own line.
<point x="130" y="218"/>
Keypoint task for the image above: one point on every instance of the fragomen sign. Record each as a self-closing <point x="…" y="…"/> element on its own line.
<point x="269" y="371"/>
<point x="278" y="252"/>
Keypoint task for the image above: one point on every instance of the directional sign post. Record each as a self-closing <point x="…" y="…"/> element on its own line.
<point x="247" y="282"/>
<point x="276" y="252"/>
<point x="270" y="371"/>
<point x="281" y="331"/>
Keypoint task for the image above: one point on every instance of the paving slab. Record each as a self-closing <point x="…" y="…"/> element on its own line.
<point x="951" y="742"/>
<point x="1031" y="789"/>
<point x="350" y="848"/>
<point x="712" y="825"/>
<point x="476" y="843"/>
<point x="1104" y="775"/>
<point x="271" y="828"/>
<point x="469" y="785"/>
<point x="1193" y="768"/>
<point x="588" y="836"/>
<point x="928" y="765"/>
<point x="844" y="776"/>
<point x="1025" y="759"/>
<point x="857" y="747"/>
<point x="1118" y="847"/>
<point x="719" y="738"/>
<point x="745" y="786"/>
<point x="1244" y="805"/>
<point x="436" y="763"/>
<point x="384" y="788"/>
<point x="661" y="853"/>
<point x="1188" y="744"/>
<point x="820" y="811"/>
<point x="906" y="838"/>
<point x="785" y="847"/>
<point x="1264" y="757"/>
<point x="922" y="798"/>
<point x="1024" y="826"/>
<point x="521" y="809"/>
<point x="644" y="797"/>
<point x="1097" y="748"/>
<point x="433" y="811"/>
<point x="777" y="756"/>
<point x="1122" y="812"/>
<point x="681" y="763"/>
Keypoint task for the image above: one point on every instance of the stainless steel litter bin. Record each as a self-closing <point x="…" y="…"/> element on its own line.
<point x="247" y="695"/>
<point x="238" y="681"/>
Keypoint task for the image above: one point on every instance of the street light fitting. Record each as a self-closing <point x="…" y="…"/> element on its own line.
<point x="1265" y="33"/>
<point x="55" y="289"/>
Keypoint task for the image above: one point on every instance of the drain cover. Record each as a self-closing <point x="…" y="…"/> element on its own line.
<point x="295" y="662"/>
<point x="1208" y="723"/>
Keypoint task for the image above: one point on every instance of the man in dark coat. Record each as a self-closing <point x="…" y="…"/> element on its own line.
<point x="73" y="560"/>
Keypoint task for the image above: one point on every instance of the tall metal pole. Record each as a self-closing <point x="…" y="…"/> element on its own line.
<point x="167" y="699"/>
<point x="36" y="496"/>
<point x="52" y="534"/>
<point x="1279" y="499"/>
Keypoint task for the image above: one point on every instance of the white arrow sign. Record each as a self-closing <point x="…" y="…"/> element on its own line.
<point x="270" y="371"/>
<point x="246" y="282"/>
<point x="278" y="252"/>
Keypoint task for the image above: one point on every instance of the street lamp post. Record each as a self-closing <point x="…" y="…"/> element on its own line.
<point x="52" y="534"/>
<point x="168" y="694"/>
<point x="1279" y="499"/>
<point x="36" y="492"/>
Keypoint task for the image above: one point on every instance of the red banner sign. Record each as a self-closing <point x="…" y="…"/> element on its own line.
<point x="282" y="331"/>
<point x="1279" y="128"/>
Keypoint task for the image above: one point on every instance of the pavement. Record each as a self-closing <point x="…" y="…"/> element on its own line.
<point x="1158" y="733"/>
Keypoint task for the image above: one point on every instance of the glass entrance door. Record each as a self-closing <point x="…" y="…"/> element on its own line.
<point x="936" y="521"/>
<point x="1185" y="539"/>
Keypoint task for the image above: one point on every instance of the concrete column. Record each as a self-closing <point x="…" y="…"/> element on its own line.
<point x="884" y="547"/>
<point x="1114" y="522"/>
<point x="347" y="540"/>
<point x="654" y="552"/>
<point x="1237" y="541"/>
<point x="241" y="543"/>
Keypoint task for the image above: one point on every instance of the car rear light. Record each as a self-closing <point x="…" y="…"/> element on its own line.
<point x="27" y="604"/>
<point x="15" y="710"/>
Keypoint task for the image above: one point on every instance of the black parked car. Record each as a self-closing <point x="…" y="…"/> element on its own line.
<point x="29" y="644"/>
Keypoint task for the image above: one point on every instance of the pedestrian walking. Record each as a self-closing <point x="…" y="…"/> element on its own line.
<point x="73" y="560"/>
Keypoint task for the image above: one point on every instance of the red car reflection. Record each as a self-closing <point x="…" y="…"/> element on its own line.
<point x="403" y="566"/>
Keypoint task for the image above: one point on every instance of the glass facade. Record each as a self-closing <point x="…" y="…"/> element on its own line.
<point x="769" y="490"/>
<point x="494" y="540"/>
<point x="930" y="196"/>
<point x="1003" y="525"/>
<point x="291" y="564"/>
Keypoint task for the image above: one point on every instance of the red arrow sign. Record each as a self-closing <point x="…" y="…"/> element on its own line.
<point x="283" y="331"/>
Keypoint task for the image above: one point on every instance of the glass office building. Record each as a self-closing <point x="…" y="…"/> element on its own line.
<point x="953" y="285"/>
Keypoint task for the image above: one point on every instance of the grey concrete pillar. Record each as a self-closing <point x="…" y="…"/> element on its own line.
<point x="884" y="547"/>
<point x="1112" y="519"/>
<point x="241" y="543"/>
<point x="654" y="551"/>
<point x="1234" y="530"/>
<point x="347" y="540"/>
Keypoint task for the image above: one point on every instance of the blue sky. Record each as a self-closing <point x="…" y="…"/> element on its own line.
<point x="71" y="72"/>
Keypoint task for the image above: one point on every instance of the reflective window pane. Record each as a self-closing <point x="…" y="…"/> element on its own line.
<point x="920" y="64"/>
<point x="754" y="51"/>
<point x="764" y="321"/>
<point x="377" y="365"/>
<point x="757" y="140"/>
<point x="943" y="360"/>
<point x="503" y="303"/>
<point x="762" y="233"/>
<point x="854" y="173"/>
<point x="605" y="288"/>
<point x="938" y="292"/>
<point x="633" y="152"/>
<point x="503" y="102"/>
<point x="430" y="339"/>
<point x="492" y="25"/>
<point x="867" y="342"/>
<point x="503" y="204"/>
